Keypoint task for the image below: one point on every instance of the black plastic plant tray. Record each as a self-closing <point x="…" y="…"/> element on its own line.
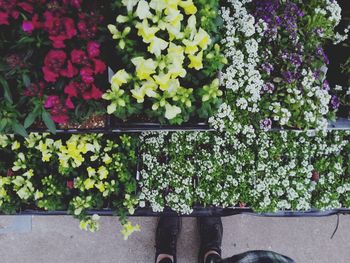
<point x="199" y="212"/>
<point x="340" y="124"/>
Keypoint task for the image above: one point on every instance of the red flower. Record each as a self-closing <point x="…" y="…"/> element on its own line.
<point x="26" y="7"/>
<point x="54" y="64"/>
<point x="57" y="110"/>
<point x="71" y="89"/>
<point x="79" y="57"/>
<point x="93" y="49"/>
<point x="87" y="25"/>
<point x="87" y="75"/>
<point x="59" y="28"/>
<point x="70" y="71"/>
<point x="100" y="66"/>
<point x="95" y="93"/>
<point x="4" y="18"/>
<point x="34" y="90"/>
<point x="70" y="184"/>
<point x="69" y="103"/>
<point x="27" y="26"/>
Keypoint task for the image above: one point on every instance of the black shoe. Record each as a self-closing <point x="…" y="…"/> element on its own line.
<point x="211" y="232"/>
<point x="168" y="230"/>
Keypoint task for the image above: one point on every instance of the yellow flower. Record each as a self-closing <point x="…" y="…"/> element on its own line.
<point x="196" y="61"/>
<point x="144" y="68"/>
<point x="115" y="95"/>
<point x="191" y="46"/>
<point x="171" y="111"/>
<point x="149" y="88"/>
<point x="162" y="80"/>
<point x="173" y="16"/>
<point x="191" y="26"/>
<point x="38" y="195"/>
<point x="157" y="45"/>
<point x="145" y="31"/>
<point x="189" y="7"/>
<point x="107" y="159"/>
<point x="138" y="94"/>
<point x="103" y="172"/>
<point x="15" y="145"/>
<point x="142" y="10"/>
<point x="173" y="86"/>
<point x="89" y="183"/>
<point x="130" y="4"/>
<point x="128" y="229"/>
<point x="91" y="171"/>
<point x="120" y="78"/>
<point x="158" y="5"/>
<point x="202" y="38"/>
<point x="100" y="186"/>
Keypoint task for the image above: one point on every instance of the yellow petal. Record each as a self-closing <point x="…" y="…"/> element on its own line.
<point x="171" y="111"/>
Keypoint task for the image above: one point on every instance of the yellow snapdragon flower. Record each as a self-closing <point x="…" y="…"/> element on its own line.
<point x="158" y="5"/>
<point x="144" y="67"/>
<point x="162" y="80"/>
<point x="188" y="7"/>
<point x="157" y="45"/>
<point x="120" y="78"/>
<point x="202" y="38"/>
<point x="191" y="46"/>
<point x="171" y="111"/>
<point x="142" y="10"/>
<point x="196" y="61"/>
<point x="15" y="145"/>
<point x="129" y="4"/>
<point x="145" y="31"/>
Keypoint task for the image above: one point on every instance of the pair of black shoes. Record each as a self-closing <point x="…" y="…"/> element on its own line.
<point x="210" y="231"/>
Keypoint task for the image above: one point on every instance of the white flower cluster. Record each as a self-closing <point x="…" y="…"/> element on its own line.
<point x="338" y="38"/>
<point x="241" y="77"/>
<point x="266" y="171"/>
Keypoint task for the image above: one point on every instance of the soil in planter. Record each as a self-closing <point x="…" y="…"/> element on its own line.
<point x="93" y="122"/>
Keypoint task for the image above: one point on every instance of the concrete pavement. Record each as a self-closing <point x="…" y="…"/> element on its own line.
<point x="58" y="239"/>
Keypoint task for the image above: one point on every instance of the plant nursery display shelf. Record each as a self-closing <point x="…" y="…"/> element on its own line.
<point x="339" y="124"/>
<point x="199" y="211"/>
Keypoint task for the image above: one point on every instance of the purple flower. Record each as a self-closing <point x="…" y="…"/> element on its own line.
<point x="267" y="67"/>
<point x="335" y="102"/>
<point x="27" y="26"/>
<point x="320" y="52"/>
<point x="289" y="76"/>
<point x="268" y="87"/>
<point x="266" y="124"/>
<point x="325" y="85"/>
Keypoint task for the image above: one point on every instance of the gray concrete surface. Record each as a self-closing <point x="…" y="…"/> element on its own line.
<point x="58" y="239"/>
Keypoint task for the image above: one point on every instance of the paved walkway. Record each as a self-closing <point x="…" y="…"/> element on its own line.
<point x="58" y="239"/>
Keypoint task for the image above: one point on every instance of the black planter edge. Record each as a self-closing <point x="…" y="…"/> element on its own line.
<point x="197" y="212"/>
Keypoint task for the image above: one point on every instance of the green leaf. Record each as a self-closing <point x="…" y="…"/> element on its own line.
<point x="7" y="93"/>
<point x="49" y="122"/>
<point x="26" y="80"/>
<point x="30" y="119"/>
<point x="19" y="129"/>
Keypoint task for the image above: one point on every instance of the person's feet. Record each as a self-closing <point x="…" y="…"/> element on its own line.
<point x="211" y="232"/>
<point x="167" y="232"/>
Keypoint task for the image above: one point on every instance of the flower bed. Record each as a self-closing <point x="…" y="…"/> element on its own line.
<point x="170" y="59"/>
<point x="267" y="172"/>
<point x="75" y="173"/>
<point x="51" y="65"/>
